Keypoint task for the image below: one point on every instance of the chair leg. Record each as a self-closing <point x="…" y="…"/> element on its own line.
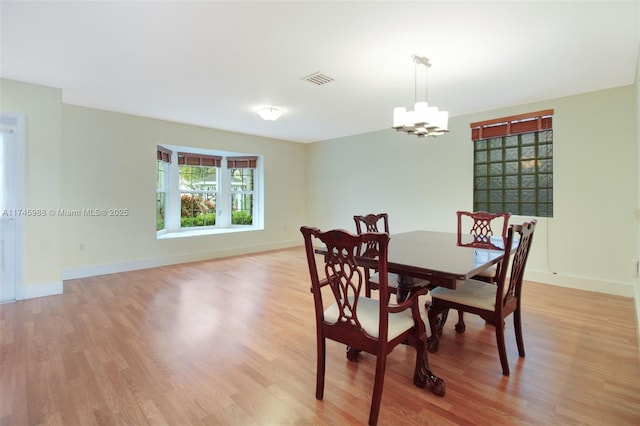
<point x="352" y="354"/>
<point x="443" y="320"/>
<point x="517" y="325"/>
<point x="460" y="327"/>
<point x="502" y="351"/>
<point x="320" y="368"/>
<point x="419" y="342"/>
<point x="376" y="398"/>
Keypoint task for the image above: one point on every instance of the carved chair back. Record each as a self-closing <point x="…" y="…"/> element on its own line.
<point x="483" y="225"/>
<point x="371" y="223"/>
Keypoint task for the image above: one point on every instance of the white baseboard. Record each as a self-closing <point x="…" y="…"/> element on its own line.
<point x="40" y="290"/>
<point x="112" y="268"/>
<point x="582" y="283"/>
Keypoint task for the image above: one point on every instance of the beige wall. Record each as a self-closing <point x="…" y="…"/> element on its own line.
<point x="82" y="158"/>
<point x="85" y="158"/>
<point x="42" y="242"/>
<point x="590" y="241"/>
<point x="108" y="161"/>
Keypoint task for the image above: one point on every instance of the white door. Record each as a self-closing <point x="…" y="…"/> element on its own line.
<point x="9" y="207"/>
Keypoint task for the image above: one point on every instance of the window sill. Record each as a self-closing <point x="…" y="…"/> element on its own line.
<point x="167" y="235"/>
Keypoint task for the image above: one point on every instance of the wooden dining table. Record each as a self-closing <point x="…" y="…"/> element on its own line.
<point x="443" y="258"/>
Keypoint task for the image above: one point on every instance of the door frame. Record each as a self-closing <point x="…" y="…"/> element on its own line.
<point x="20" y="124"/>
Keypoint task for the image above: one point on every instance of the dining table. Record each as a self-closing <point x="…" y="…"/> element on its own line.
<point x="445" y="259"/>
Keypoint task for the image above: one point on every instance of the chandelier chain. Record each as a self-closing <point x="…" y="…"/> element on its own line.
<point x="417" y="61"/>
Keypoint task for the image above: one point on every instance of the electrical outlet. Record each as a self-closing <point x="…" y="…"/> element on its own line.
<point x="635" y="266"/>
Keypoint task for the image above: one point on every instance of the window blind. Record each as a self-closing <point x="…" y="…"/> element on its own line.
<point x="191" y="159"/>
<point x="242" y="162"/>
<point x="164" y="154"/>
<point x="512" y="125"/>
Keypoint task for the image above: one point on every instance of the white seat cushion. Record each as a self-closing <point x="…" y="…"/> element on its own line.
<point x="368" y="315"/>
<point x="489" y="272"/>
<point x="478" y="294"/>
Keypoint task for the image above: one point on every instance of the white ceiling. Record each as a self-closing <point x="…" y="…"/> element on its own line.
<point x="212" y="63"/>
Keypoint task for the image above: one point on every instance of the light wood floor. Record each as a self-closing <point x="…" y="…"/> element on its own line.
<point x="232" y="342"/>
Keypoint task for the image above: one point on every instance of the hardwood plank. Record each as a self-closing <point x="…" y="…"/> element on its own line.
<point x="232" y="342"/>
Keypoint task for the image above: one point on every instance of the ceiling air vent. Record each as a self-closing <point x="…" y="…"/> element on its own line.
<point x="318" y="79"/>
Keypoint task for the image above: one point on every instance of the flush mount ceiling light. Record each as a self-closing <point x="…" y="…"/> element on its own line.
<point x="269" y="113"/>
<point x="423" y="120"/>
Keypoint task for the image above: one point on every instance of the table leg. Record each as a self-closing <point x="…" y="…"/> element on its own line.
<point x="432" y="343"/>
<point x="405" y="285"/>
<point x="423" y="375"/>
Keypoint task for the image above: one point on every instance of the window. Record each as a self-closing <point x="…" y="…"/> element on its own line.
<point x="207" y="191"/>
<point x="163" y="160"/>
<point x="242" y="189"/>
<point x="513" y="164"/>
<point x="198" y="182"/>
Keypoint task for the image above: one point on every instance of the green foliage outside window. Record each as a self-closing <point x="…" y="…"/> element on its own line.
<point x="196" y="211"/>
<point x="160" y="203"/>
<point x="206" y="219"/>
<point x="240" y="217"/>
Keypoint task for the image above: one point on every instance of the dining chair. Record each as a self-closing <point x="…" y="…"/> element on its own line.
<point x="378" y="223"/>
<point x="372" y="223"/>
<point x="344" y="314"/>
<point x="492" y="302"/>
<point x="481" y="225"/>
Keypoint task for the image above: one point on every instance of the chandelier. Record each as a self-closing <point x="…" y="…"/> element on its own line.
<point x="423" y="120"/>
